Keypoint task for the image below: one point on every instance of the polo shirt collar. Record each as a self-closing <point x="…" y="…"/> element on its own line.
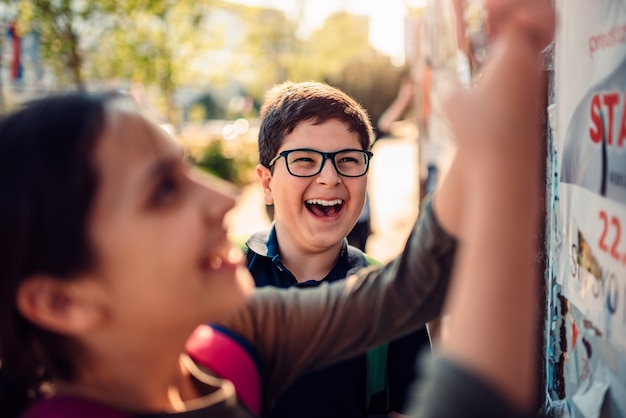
<point x="351" y="260"/>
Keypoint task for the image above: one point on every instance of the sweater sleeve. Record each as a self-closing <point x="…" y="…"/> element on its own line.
<point x="450" y="391"/>
<point x="299" y="330"/>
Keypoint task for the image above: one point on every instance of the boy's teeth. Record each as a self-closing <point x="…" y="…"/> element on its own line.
<point x="324" y="202"/>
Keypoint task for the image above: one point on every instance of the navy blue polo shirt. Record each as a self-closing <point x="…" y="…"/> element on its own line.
<point x="338" y="390"/>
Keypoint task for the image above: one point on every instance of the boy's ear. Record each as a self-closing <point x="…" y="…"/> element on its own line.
<point x="265" y="177"/>
<point x="66" y="307"/>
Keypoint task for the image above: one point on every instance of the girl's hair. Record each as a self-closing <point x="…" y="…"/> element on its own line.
<point x="47" y="186"/>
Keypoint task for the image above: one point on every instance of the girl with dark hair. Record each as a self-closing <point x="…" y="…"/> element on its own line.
<point x="47" y="189"/>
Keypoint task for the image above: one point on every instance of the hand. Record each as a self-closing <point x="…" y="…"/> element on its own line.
<point x="406" y="89"/>
<point x="534" y="17"/>
<point x="497" y="123"/>
<point x="504" y="109"/>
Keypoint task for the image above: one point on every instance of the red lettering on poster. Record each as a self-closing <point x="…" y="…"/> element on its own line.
<point x="610" y="101"/>
<point x="605" y="109"/>
<point x="611" y="226"/>
<point x="596" y="120"/>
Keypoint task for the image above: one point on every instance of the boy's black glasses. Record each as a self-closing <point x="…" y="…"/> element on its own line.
<point x="305" y="162"/>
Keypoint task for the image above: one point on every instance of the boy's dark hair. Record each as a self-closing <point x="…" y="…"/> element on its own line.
<point x="287" y="104"/>
<point x="48" y="184"/>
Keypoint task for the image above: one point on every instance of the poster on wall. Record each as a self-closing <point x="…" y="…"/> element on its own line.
<point x="590" y="97"/>
<point x="590" y="88"/>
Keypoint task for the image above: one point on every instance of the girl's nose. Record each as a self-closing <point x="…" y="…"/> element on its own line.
<point x="218" y="197"/>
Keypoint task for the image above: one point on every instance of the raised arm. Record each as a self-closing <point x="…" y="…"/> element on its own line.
<point x="399" y="105"/>
<point x="493" y="297"/>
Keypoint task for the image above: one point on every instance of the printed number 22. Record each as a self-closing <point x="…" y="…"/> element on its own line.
<point x="618" y="232"/>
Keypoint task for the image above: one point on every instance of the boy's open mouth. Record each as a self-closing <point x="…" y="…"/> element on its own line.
<point x="324" y="208"/>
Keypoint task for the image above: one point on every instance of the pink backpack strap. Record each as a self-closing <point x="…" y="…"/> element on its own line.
<point x="231" y="357"/>
<point x="71" y="407"/>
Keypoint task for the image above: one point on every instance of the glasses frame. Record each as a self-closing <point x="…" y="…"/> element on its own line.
<point x="325" y="156"/>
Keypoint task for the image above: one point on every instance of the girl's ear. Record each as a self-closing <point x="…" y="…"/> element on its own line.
<point x="62" y="306"/>
<point x="265" y="177"/>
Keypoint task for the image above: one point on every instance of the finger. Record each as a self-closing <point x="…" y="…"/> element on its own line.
<point x="536" y="18"/>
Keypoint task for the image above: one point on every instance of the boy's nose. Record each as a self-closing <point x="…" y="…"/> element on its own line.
<point x="329" y="174"/>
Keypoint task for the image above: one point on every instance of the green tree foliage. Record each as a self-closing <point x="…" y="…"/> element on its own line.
<point x="59" y="25"/>
<point x="215" y="162"/>
<point x="268" y="49"/>
<point x="130" y="42"/>
<point x="342" y="37"/>
<point x="236" y="169"/>
<point x="205" y="107"/>
<point x="329" y="49"/>
<point x="169" y="47"/>
<point x="371" y="79"/>
<point x="154" y="43"/>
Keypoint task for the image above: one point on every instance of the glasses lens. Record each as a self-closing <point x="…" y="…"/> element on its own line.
<point x="351" y="163"/>
<point x="304" y="163"/>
